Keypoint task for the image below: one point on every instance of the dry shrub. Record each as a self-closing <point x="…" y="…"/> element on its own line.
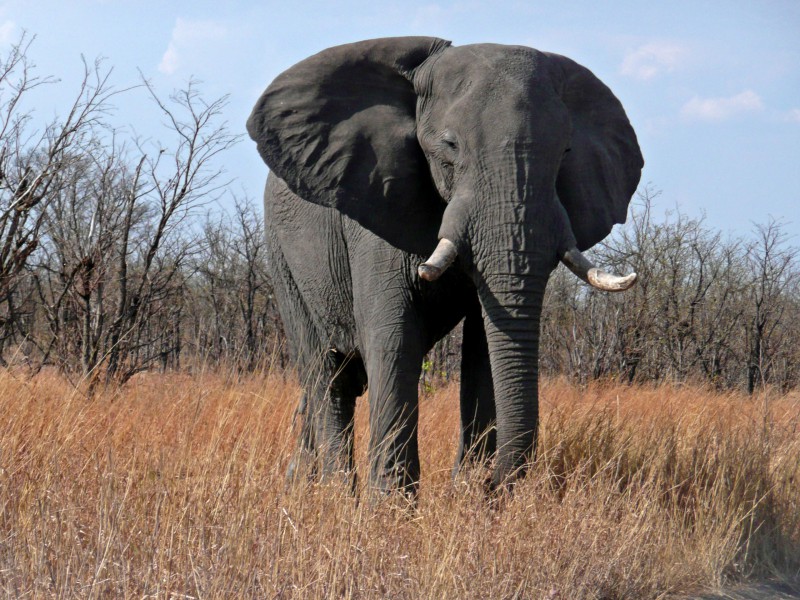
<point x="174" y="487"/>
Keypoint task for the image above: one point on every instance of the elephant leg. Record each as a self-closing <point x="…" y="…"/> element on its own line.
<point x="394" y="368"/>
<point x="326" y="412"/>
<point x="334" y="418"/>
<point x="304" y="459"/>
<point x="478" y="437"/>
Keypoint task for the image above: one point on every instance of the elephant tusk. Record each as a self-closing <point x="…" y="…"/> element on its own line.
<point x="583" y="268"/>
<point x="440" y="260"/>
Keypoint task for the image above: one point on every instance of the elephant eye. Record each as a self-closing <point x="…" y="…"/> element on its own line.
<point x="449" y="140"/>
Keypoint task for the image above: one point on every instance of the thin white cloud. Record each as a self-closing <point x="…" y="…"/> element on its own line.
<point x="654" y="58"/>
<point x="187" y="37"/>
<point x="719" y="109"/>
<point x="170" y="61"/>
<point x="793" y="115"/>
<point x="8" y="31"/>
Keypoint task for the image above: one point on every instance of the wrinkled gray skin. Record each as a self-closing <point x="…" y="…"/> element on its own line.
<point x="376" y="150"/>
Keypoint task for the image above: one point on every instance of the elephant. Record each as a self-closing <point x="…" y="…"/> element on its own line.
<point x="412" y="184"/>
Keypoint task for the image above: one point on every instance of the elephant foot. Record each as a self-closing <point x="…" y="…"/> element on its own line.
<point x="404" y="501"/>
<point x="395" y="487"/>
<point x="346" y="478"/>
<point x="302" y="468"/>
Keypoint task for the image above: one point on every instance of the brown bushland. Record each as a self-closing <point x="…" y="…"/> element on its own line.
<point x="174" y="486"/>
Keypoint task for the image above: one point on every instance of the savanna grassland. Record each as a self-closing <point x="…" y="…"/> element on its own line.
<point x="173" y="487"/>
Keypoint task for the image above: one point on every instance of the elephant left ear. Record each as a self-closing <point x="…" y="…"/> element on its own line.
<point x="340" y="129"/>
<point x="600" y="173"/>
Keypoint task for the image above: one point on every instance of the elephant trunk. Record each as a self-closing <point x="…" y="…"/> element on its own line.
<point x="512" y="309"/>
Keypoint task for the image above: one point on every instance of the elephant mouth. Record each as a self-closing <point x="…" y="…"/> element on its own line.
<point x="445" y="254"/>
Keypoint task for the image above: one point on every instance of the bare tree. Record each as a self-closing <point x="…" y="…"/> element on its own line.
<point x="33" y="157"/>
<point x="237" y="321"/>
<point x="174" y="181"/>
<point x="772" y="267"/>
<point x="114" y="240"/>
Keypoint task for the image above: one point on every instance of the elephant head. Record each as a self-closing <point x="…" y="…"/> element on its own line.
<point x="514" y="158"/>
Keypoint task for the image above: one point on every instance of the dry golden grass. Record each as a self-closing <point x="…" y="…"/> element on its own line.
<point x="174" y="487"/>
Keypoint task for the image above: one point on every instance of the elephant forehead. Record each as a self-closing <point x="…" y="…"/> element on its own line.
<point x="473" y="65"/>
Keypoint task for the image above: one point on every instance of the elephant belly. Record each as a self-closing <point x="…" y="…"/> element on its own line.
<point x="337" y="283"/>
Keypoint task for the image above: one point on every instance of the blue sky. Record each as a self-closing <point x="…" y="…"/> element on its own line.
<point x="712" y="88"/>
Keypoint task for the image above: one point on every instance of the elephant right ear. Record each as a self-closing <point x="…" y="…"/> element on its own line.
<point x="340" y="127"/>
<point x="600" y="173"/>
